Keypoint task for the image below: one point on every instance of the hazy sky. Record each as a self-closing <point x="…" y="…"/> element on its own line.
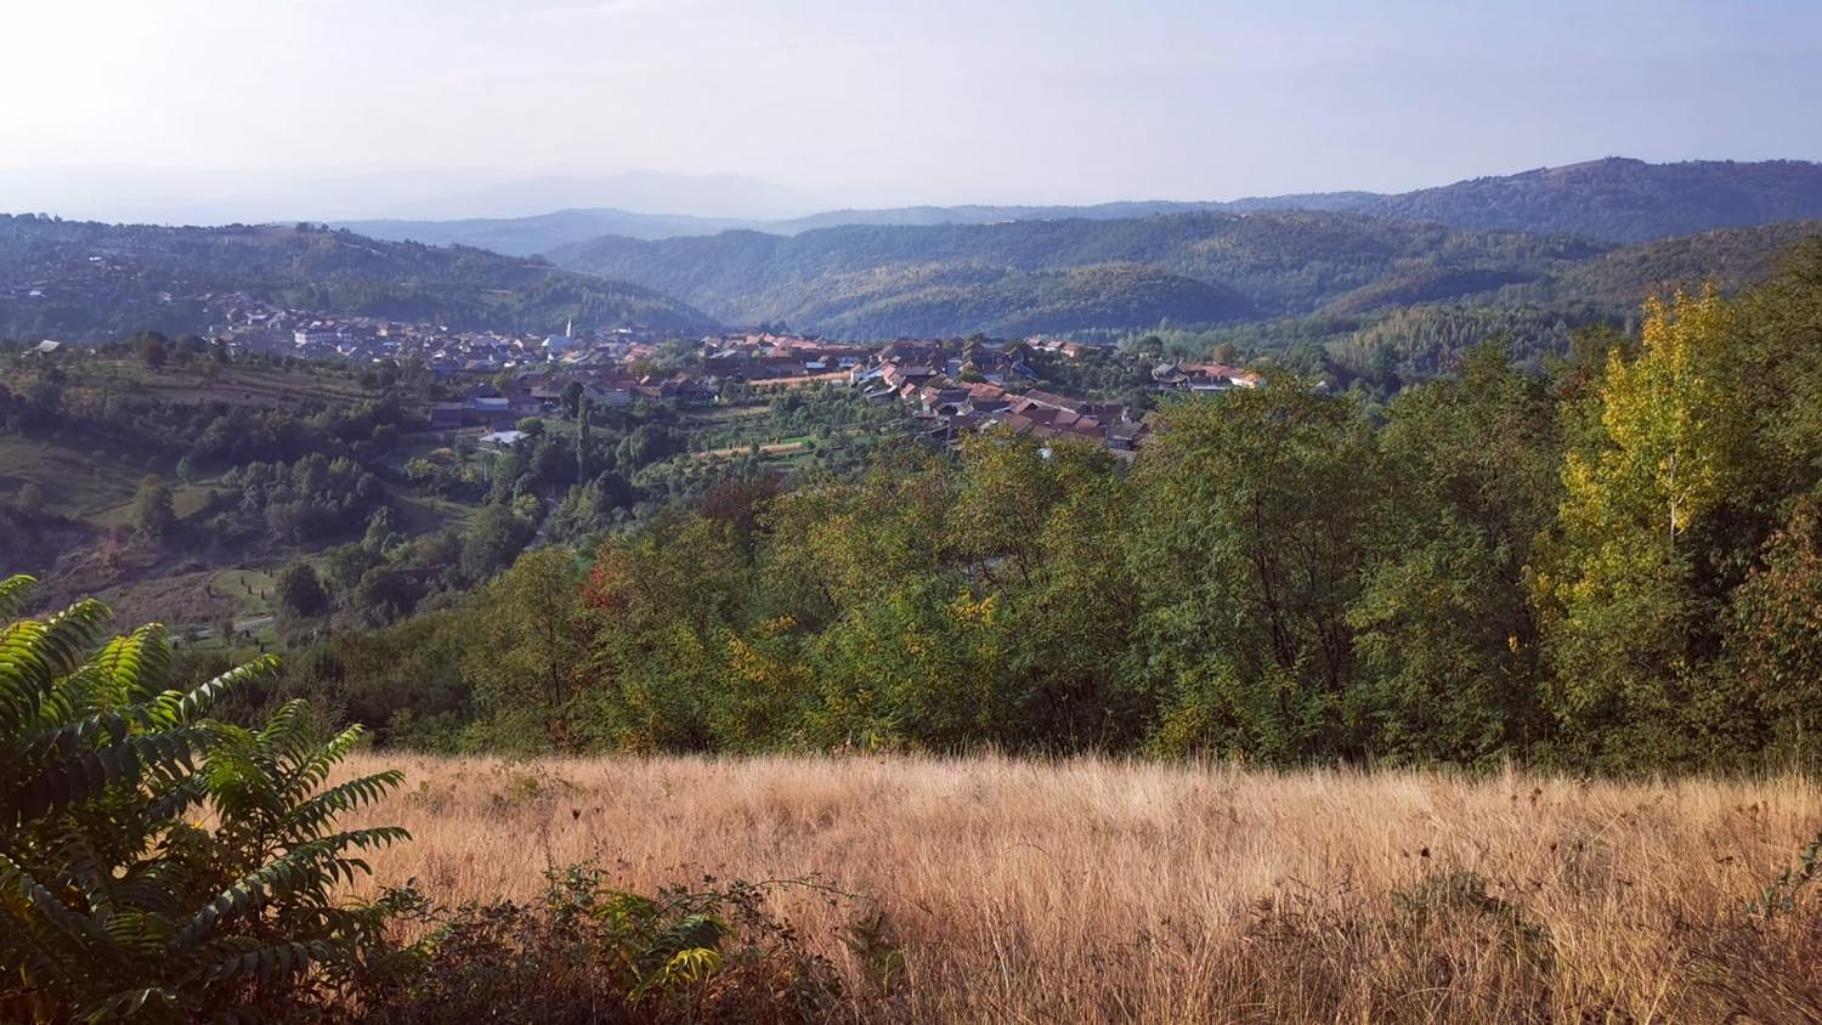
<point x="863" y="102"/>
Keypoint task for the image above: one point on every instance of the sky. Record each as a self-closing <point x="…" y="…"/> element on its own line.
<point x="323" y="109"/>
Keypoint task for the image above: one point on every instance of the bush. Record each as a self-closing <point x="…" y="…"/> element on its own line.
<point x="116" y="899"/>
<point x="586" y="953"/>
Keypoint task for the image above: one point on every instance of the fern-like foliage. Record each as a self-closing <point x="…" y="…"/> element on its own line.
<point x="116" y="902"/>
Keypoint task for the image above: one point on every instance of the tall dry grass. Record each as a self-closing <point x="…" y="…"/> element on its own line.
<point x="1093" y="890"/>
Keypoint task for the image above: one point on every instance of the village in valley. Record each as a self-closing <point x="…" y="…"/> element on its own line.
<point x="947" y="389"/>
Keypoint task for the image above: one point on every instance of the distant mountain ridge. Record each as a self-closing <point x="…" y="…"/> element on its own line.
<point x="532" y="236"/>
<point x="1615" y="199"/>
<point x="1620" y="199"/>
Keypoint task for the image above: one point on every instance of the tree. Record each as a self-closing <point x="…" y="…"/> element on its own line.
<point x="493" y="539"/>
<point x="1247" y="549"/>
<point x="530" y="660"/>
<point x="1775" y="633"/>
<point x="1447" y="639"/>
<point x="154" y="510"/>
<point x="153" y="350"/>
<point x="382" y="531"/>
<point x="585" y="452"/>
<point x="300" y="591"/>
<point x="1662" y="443"/>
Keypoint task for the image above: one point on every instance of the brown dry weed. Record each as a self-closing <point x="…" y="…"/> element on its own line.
<point x="1096" y="890"/>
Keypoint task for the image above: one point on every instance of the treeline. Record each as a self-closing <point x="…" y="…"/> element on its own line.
<point x="1617" y="565"/>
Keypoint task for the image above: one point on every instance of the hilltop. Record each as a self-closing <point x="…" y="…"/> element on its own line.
<point x="954" y="279"/>
<point x="85" y="279"/>
<point x="1616" y="199"/>
<point x="1619" y="199"/>
<point x="1191" y="268"/>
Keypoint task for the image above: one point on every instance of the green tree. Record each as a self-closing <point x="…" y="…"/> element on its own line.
<point x="528" y="660"/>
<point x="1775" y="634"/>
<point x="585" y="453"/>
<point x="154" y="350"/>
<point x="300" y="591"/>
<point x="1446" y="636"/>
<point x="493" y="539"/>
<point x="382" y="534"/>
<point x="664" y="605"/>
<point x="1247" y="549"/>
<point x="1042" y="531"/>
<point x="154" y="510"/>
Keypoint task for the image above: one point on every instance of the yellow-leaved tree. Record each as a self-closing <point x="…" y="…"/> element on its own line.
<point x="1661" y="449"/>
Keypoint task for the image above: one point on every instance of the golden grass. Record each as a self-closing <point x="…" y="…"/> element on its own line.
<point x="1090" y="890"/>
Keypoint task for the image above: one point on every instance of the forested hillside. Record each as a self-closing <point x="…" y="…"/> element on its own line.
<point x="1614" y="200"/>
<point x="1618" y="199"/>
<point x="1272" y="263"/>
<point x="1188" y="269"/>
<point x="1732" y="258"/>
<point x="69" y="278"/>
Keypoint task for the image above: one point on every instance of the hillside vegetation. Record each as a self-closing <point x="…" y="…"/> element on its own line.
<point x="1618" y="199"/>
<point x="1551" y="235"/>
<point x="1266" y="264"/>
<point x="101" y="280"/>
<point x="1732" y="258"/>
<point x="1198" y="268"/>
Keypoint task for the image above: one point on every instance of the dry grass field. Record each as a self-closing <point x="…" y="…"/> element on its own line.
<point x="1086" y="891"/>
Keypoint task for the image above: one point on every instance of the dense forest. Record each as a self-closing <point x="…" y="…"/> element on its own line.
<point x="1612" y="200"/>
<point x="1618" y="199"/>
<point x="1184" y="269"/>
<point x="1616" y="564"/>
<point x="100" y="281"/>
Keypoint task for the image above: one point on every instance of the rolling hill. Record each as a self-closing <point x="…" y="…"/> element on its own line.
<point x="83" y="279"/>
<point x="1613" y="200"/>
<point x="1618" y="199"/>
<point x="1187" y="268"/>
<point x="954" y="279"/>
<point x="1733" y="258"/>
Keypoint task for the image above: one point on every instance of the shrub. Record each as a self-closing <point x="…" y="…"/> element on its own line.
<point x="116" y="899"/>
<point x="587" y="953"/>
